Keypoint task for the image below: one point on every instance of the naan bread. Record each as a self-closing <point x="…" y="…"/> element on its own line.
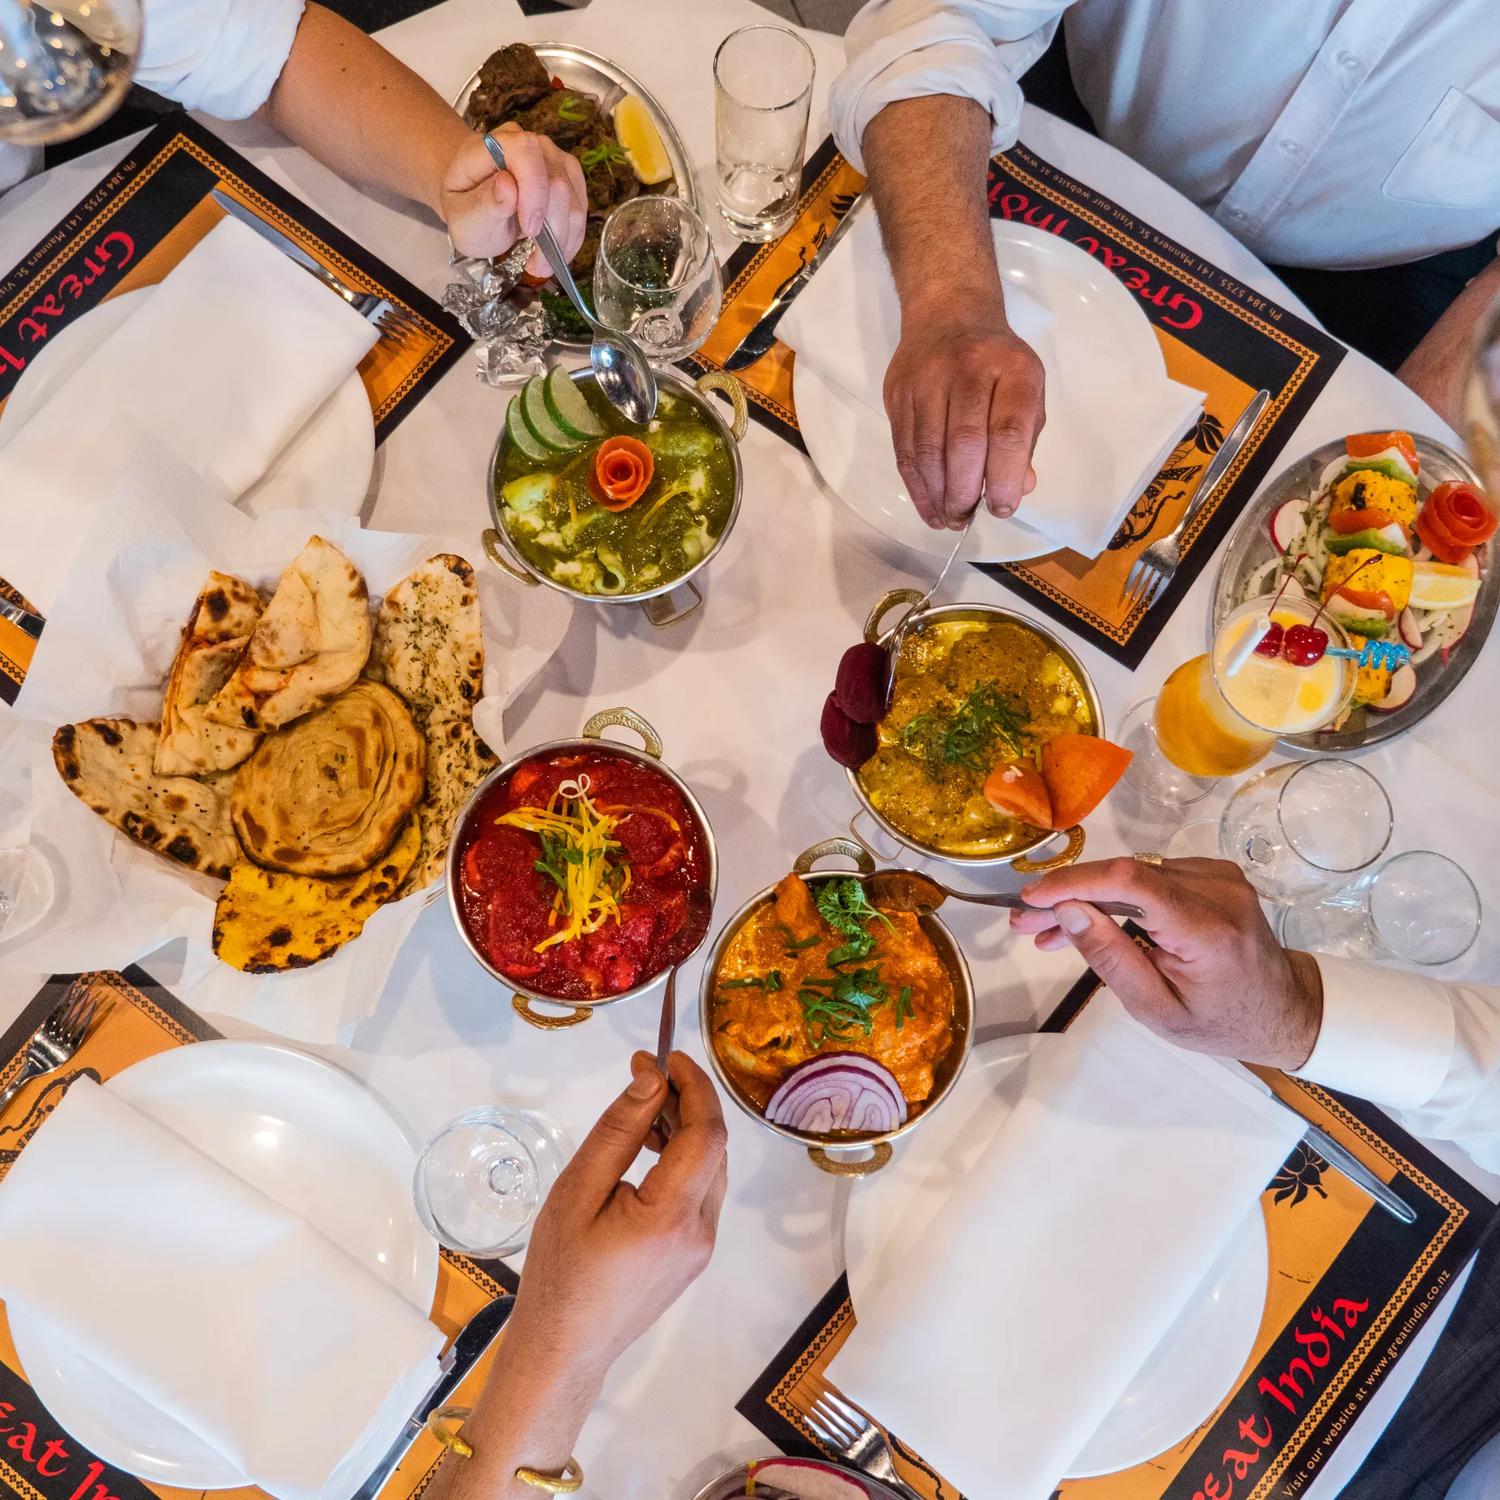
<point x="107" y="763"/>
<point x="457" y="761"/>
<point x="429" y="642"/>
<point x="266" y="921"/>
<point x="311" y="643"/>
<point x="328" y="794"/>
<point x="213" y="641"/>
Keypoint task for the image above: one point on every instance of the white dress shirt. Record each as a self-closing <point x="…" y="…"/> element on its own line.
<point x="1339" y="133"/>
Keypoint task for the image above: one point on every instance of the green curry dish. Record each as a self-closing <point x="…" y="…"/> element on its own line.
<point x="554" y="522"/>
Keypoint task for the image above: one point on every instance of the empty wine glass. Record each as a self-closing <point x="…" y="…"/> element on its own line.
<point x="1417" y="908"/>
<point x="1304" y="829"/>
<point x="484" y="1175"/>
<point x="657" y="277"/>
<point x="64" y="65"/>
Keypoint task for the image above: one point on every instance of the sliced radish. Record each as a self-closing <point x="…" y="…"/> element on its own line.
<point x="1398" y="695"/>
<point x="1461" y="620"/>
<point x="809" y="1480"/>
<point x="1407" y="625"/>
<point x="1286" y="522"/>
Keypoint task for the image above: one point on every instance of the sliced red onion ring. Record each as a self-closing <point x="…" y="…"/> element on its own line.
<point x="839" y="1091"/>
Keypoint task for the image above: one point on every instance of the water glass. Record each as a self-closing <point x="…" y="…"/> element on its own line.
<point x="484" y="1175"/>
<point x="1418" y="908"/>
<point x="763" y="78"/>
<point x="657" y="277"/>
<point x="64" y="66"/>
<point x="1305" y="829"/>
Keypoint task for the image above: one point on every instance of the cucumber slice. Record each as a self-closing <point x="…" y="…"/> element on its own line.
<point x="567" y="406"/>
<point x="521" y="435"/>
<point x="543" y="428"/>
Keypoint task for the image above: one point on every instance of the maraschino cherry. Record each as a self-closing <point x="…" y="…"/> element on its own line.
<point x="1270" y="643"/>
<point x="1304" y="645"/>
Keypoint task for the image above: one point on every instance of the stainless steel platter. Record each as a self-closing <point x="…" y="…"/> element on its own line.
<point x="731" y="1486"/>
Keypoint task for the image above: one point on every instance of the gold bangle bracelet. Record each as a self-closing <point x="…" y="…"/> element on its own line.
<point x="565" y="1483"/>
<point x="446" y="1426"/>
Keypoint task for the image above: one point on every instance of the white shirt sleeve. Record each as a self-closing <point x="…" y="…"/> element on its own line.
<point x="905" y="49"/>
<point x="1425" y="1049"/>
<point x="220" y="56"/>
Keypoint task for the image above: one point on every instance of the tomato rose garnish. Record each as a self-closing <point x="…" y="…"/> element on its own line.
<point x="1453" y="521"/>
<point x="620" y="472"/>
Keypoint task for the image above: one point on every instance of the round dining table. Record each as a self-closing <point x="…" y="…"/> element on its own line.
<point x="735" y="691"/>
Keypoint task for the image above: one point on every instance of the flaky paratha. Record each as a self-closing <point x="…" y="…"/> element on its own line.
<point x="107" y="764"/>
<point x="328" y="794"/>
<point x="457" y="761"/>
<point x="213" y="641"/>
<point x="429" y="642"/>
<point x="266" y="921"/>
<point x="311" y="643"/>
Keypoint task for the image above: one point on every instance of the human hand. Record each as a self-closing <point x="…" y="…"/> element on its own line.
<point x="1217" y="981"/>
<point x="488" y="210"/>
<point x="965" y="398"/>
<point x="607" y="1259"/>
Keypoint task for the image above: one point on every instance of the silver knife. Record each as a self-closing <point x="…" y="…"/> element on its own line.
<point x="284" y="243"/>
<point x="763" y="335"/>
<point x="466" y="1350"/>
<point x="29" y="622"/>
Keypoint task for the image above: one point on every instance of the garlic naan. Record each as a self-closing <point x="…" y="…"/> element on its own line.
<point x="429" y="642"/>
<point x="213" y="641"/>
<point x="107" y="764"/>
<point x="266" y="921"/>
<point x="457" y="761"/>
<point x="312" y="641"/>
<point x="328" y="794"/>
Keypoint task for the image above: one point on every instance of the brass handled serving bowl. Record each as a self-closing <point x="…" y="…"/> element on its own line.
<point x="845" y="1154"/>
<point x="574" y="1011"/>
<point x="1022" y="857"/>
<point x="657" y="602"/>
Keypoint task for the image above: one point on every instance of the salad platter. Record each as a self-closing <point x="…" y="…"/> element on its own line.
<point x="1366" y="525"/>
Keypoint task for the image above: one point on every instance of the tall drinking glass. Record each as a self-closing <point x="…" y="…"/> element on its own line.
<point x="763" y="78"/>
<point x="64" y="65"/>
<point x="1417" y="908"/>
<point x="656" y="276"/>
<point x="1219" y="714"/>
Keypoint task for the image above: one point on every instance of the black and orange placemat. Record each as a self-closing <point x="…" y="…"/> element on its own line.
<point x="1349" y="1288"/>
<point x="139" y="223"/>
<point x="1216" y="335"/>
<point x="38" y="1460"/>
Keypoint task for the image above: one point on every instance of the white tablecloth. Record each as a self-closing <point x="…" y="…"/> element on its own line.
<point x="735" y="693"/>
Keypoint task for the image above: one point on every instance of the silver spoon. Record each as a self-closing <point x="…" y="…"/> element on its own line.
<point x="905" y="890"/>
<point x="910" y="617"/>
<point x="620" y="364"/>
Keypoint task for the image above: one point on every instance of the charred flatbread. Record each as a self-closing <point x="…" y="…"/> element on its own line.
<point x="267" y="921"/>
<point x="213" y="641"/>
<point x="328" y="794"/>
<point x="429" y="642"/>
<point x="457" y="761"/>
<point x="107" y="764"/>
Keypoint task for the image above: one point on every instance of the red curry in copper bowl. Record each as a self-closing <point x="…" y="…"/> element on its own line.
<point x="582" y="871"/>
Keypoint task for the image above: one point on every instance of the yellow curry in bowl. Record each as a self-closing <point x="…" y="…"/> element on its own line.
<point x="970" y="689"/>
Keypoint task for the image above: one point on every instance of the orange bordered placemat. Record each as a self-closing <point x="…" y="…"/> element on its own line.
<point x="1216" y="335"/>
<point x="38" y="1460"/>
<point x="1349" y="1288"/>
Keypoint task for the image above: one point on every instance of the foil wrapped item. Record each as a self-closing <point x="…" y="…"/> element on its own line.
<point x="504" y="318"/>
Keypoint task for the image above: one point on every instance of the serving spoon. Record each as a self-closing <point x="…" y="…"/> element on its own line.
<point x="893" y="650"/>
<point x="905" y="890"/>
<point x="620" y="364"/>
<point x="695" y="928"/>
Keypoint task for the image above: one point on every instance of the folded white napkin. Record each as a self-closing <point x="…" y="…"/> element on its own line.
<point x="234" y="1317"/>
<point x="1110" y="423"/>
<point x="998" y="1341"/>
<point x="224" y="362"/>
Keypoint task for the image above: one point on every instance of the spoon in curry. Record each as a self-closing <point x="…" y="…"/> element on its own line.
<point x="905" y="890"/>
<point x="620" y="364"/>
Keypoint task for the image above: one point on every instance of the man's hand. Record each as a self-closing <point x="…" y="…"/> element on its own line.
<point x="488" y="210"/>
<point x="1216" y="982"/>
<point x="965" y="399"/>
<point x="607" y="1259"/>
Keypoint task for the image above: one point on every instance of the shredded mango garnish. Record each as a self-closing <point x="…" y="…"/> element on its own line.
<point x="579" y="857"/>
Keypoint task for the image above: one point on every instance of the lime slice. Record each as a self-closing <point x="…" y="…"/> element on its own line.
<point x="642" y="141"/>
<point x="520" y="434"/>
<point x="568" y="407"/>
<point x="1436" y="585"/>
<point x="539" y="419"/>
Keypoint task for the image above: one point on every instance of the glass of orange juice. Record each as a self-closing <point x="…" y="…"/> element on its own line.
<point x="1219" y="714"/>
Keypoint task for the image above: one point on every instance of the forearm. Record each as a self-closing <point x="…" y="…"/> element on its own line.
<point x="529" y="1414"/>
<point x="347" y="101"/>
<point x="934" y="218"/>
<point x="1439" y="366"/>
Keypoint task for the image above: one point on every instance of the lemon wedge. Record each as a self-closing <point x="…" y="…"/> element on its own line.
<point x="642" y="142"/>
<point x="1436" y="585"/>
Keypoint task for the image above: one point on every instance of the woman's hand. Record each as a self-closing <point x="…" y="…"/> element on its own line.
<point x="488" y="210"/>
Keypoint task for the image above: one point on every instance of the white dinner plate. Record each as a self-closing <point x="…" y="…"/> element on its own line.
<point x="1198" y="1359"/>
<point x="326" y="466"/>
<point x="306" y="1134"/>
<point x="850" y="445"/>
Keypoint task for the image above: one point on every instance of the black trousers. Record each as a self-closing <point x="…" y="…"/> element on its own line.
<point x="1384" y="313"/>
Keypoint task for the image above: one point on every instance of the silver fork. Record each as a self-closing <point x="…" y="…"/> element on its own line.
<point x="848" y="1433"/>
<point x="58" y="1037"/>
<point x="1154" y="568"/>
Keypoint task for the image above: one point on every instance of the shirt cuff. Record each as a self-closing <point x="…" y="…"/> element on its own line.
<point x="1387" y="1035"/>
<point x="223" y="59"/>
